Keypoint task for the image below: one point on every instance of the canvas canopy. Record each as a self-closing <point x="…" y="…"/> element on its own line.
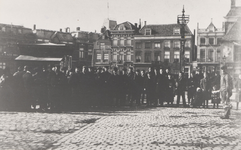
<point x="32" y="58"/>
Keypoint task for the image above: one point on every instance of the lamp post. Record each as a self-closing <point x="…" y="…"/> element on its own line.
<point x="182" y="20"/>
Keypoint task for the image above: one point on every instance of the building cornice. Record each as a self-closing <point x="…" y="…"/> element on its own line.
<point x="159" y="37"/>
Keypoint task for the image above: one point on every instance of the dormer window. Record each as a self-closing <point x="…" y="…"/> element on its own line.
<point x="122" y="27"/>
<point x="176" y="31"/>
<point x="148" y="31"/>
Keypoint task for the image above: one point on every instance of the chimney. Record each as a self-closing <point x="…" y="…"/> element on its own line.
<point x="145" y="23"/>
<point x="223" y="26"/>
<point x="136" y="25"/>
<point x="67" y="30"/>
<point x="34" y="27"/>
<point x="233" y="3"/>
<point x="60" y="30"/>
<point x="139" y="23"/>
<point x="78" y="29"/>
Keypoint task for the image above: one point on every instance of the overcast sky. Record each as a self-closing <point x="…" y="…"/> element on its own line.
<point x="89" y="15"/>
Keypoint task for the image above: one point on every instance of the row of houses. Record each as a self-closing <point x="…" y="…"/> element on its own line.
<point x="21" y="46"/>
<point x="126" y="44"/>
<point x="148" y="46"/>
<point x="217" y="46"/>
<point x="156" y="45"/>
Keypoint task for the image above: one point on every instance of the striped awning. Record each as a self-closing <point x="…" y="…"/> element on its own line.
<point x="32" y="58"/>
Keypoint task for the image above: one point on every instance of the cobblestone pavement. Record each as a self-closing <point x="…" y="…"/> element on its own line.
<point x="142" y="128"/>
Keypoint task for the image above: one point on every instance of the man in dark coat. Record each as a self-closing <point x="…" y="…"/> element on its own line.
<point x="58" y="82"/>
<point x="123" y="86"/>
<point x="170" y="89"/>
<point x="191" y="87"/>
<point x="162" y="86"/>
<point x="131" y="85"/>
<point x="104" y="77"/>
<point x="74" y="82"/>
<point x="138" y="86"/>
<point x="180" y="89"/>
<point x="142" y="80"/>
<point x="114" y="88"/>
<point x="149" y="87"/>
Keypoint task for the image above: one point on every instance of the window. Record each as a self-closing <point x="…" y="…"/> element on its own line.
<point x="176" y="56"/>
<point x="114" y="57"/>
<point x="148" y="31"/>
<point x="211" y="41"/>
<point x="122" y="58"/>
<point x="138" y="56"/>
<point x="147" y="56"/>
<point x="128" y="42"/>
<point x="167" y="44"/>
<point x="202" y="41"/>
<point x="176" y="31"/>
<point x="176" y="44"/>
<point x="187" y="56"/>
<point x="188" y="43"/>
<point x="157" y="56"/>
<point x="102" y="46"/>
<point x="138" y="45"/>
<point x="147" y="45"/>
<point x="218" y="55"/>
<point x="106" y="57"/>
<point x="157" y="45"/>
<point x="202" y="55"/>
<point x="210" y="55"/>
<point x="219" y="41"/>
<point x="2" y="65"/>
<point x="167" y="56"/>
<point x="128" y="57"/>
<point x="121" y="27"/>
<point x="122" y="42"/>
<point x="115" y="42"/>
<point x="81" y="52"/>
<point x="98" y="57"/>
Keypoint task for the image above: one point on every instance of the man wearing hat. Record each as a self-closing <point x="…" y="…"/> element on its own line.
<point x="226" y="91"/>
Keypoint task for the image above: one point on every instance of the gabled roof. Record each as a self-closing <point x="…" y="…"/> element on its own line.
<point x="234" y="34"/>
<point x="234" y="12"/>
<point x="49" y="35"/>
<point x="66" y="37"/>
<point x="44" y="34"/>
<point x="109" y="24"/>
<point x="127" y="25"/>
<point x="164" y="29"/>
<point x="211" y="27"/>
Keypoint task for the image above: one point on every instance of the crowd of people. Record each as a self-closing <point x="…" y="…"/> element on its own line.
<point x="55" y="89"/>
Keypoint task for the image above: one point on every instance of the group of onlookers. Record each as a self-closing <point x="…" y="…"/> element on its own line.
<point x="55" y="89"/>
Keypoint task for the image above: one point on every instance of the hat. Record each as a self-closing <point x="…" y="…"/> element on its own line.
<point x="224" y="67"/>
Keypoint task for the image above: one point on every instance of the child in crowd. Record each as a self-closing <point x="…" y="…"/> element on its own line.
<point x="215" y="95"/>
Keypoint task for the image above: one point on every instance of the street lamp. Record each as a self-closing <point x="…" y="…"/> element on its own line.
<point x="182" y="20"/>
